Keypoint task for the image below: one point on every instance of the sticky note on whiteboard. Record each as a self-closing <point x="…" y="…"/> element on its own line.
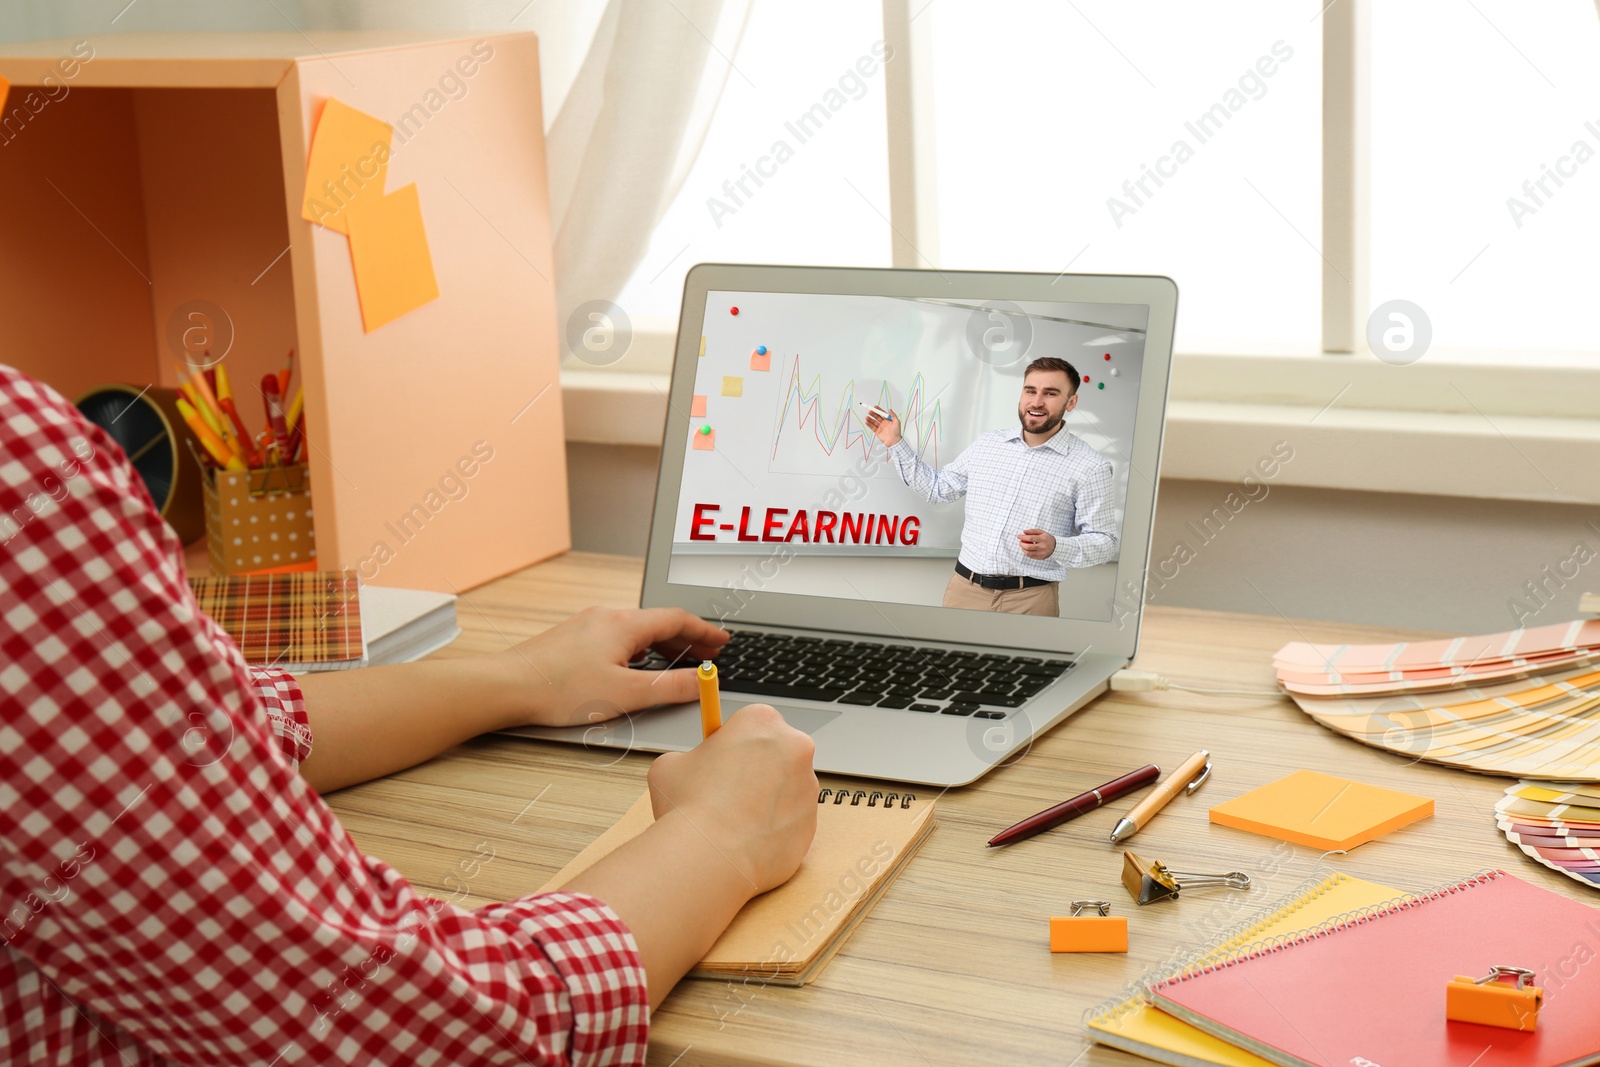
<point x="758" y="361"/>
<point x="705" y="442"/>
<point x="697" y="406"/>
<point x="732" y="386"/>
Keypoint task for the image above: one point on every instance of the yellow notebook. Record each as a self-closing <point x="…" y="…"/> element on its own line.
<point x="1130" y="1023"/>
<point x="1322" y="811"/>
<point x="787" y="935"/>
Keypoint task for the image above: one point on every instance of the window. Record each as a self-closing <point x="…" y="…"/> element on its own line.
<point x="1157" y="138"/>
<point x="1486" y="171"/>
<point x="795" y="166"/>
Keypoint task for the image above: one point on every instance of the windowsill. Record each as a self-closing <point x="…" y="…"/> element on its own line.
<point x="1442" y="426"/>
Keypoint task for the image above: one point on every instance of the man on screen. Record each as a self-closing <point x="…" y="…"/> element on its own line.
<point x="1038" y="499"/>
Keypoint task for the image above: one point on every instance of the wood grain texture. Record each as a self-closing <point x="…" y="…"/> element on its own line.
<point x="953" y="967"/>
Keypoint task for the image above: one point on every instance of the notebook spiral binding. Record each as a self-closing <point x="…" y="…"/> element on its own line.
<point x="855" y="797"/>
<point x="1334" y="925"/>
<point x="1132" y="995"/>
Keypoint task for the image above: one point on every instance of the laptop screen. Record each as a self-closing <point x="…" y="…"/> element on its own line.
<point x="953" y="454"/>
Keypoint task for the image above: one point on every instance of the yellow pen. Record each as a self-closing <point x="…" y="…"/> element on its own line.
<point x="710" y="699"/>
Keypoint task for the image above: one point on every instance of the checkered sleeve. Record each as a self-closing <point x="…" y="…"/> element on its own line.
<point x="942" y="486"/>
<point x="171" y="890"/>
<point x="286" y="707"/>
<point x="1094" y="541"/>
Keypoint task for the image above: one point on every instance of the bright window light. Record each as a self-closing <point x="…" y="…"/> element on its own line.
<point x="1486" y="171"/>
<point x="795" y="167"/>
<point x="1153" y="138"/>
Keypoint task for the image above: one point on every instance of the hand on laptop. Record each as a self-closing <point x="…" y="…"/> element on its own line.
<point x="887" y="429"/>
<point x="1037" y="544"/>
<point x="749" y="790"/>
<point x="576" y="673"/>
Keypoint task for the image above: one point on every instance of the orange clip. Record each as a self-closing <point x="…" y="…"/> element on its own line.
<point x="1089" y="933"/>
<point x="1490" y="1002"/>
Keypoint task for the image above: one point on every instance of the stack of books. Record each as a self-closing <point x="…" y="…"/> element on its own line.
<point x="325" y="620"/>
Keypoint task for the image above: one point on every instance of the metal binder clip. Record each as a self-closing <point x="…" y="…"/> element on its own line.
<point x="1490" y="1002"/>
<point x="1080" y="932"/>
<point x="1149" y="882"/>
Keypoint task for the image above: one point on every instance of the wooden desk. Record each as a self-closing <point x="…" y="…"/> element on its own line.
<point x="953" y="966"/>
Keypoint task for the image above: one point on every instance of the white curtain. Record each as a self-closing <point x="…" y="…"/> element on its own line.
<point x="629" y="88"/>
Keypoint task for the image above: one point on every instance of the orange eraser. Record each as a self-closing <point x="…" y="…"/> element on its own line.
<point x="1492" y="1003"/>
<point x="1089" y="933"/>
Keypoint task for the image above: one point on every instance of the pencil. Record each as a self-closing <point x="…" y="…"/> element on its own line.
<point x="710" y="699"/>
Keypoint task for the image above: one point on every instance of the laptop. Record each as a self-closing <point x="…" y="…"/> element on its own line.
<point x="783" y="514"/>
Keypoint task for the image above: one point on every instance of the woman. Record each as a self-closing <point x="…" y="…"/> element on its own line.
<point x="173" y="888"/>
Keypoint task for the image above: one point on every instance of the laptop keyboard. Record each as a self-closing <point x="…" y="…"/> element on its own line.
<point x="870" y="674"/>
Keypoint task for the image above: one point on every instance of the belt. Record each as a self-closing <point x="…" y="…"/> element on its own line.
<point x="999" y="581"/>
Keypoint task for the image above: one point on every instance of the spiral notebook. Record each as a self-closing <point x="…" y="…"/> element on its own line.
<point x="787" y="935"/>
<point x="1370" y="988"/>
<point x="1129" y="1022"/>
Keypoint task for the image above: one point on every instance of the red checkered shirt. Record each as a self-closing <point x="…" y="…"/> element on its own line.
<point x="171" y="890"/>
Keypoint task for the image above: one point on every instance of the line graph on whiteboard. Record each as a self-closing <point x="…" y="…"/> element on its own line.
<point x="819" y="426"/>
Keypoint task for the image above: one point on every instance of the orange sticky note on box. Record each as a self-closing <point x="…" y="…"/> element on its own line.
<point x="705" y="442"/>
<point x="349" y="159"/>
<point x="697" y="406"/>
<point x="1321" y="811"/>
<point x="389" y="247"/>
<point x="1089" y="933"/>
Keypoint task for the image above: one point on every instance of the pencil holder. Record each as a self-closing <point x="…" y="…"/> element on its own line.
<point x="260" y="520"/>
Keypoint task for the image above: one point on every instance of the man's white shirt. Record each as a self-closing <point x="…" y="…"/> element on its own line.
<point x="1063" y="487"/>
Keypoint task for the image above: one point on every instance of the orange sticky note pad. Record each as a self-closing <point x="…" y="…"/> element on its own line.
<point x="389" y="247"/>
<point x="732" y="386"/>
<point x="349" y="159"/>
<point x="1089" y="933"/>
<point x="1321" y="811"/>
<point x="697" y="406"/>
<point x="705" y="442"/>
<point x="760" y="362"/>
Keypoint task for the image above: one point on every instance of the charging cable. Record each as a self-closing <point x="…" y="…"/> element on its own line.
<point x="1127" y="681"/>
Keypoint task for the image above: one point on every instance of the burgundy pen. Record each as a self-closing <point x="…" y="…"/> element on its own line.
<point x="1081" y="804"/>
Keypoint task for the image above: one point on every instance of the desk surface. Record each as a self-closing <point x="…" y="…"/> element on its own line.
<point x="953" y="965"/>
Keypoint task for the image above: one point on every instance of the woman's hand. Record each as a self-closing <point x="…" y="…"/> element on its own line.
<point x="576" y="673"/>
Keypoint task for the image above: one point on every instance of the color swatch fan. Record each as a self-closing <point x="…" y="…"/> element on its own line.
<point x="1555" y="824"/>
<point x="1523" y="703"/>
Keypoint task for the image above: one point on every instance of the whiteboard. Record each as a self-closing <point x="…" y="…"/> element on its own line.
<point x="786" y="430"/>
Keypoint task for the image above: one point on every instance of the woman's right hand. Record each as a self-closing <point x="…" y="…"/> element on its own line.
<point x="748" y="790"/>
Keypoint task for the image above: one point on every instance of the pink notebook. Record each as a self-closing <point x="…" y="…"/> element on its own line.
<point x="1371" y="990"/>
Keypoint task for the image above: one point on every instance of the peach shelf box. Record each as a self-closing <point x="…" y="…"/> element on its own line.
<point x="156" y="185"/>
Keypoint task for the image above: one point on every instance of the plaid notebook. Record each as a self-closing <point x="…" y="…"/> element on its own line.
<point x="300" y="622"/>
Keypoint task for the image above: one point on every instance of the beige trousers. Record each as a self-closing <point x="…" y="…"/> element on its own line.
<point x="1035" y="600"/>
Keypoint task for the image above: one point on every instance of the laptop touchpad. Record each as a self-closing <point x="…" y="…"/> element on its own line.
<point x="807" y="720"/>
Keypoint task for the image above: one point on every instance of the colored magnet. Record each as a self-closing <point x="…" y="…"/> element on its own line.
<point x="389" y="249"/>
<point x="697" y="406"/>
<point x="732" y="386"/>
<point x="1085" y="377"/>
<point x="1099" y="385"/>
<point x="1114" y="372"/>
<point x="759" y="360"/>
<point x="705" y="442"/>
<point x="733" y="311"/>
<point x="1108" y="355"/>
<point x="347" y="146"/>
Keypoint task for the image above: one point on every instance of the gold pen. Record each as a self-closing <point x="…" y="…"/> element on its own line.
<point x="1191" y="775"/>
